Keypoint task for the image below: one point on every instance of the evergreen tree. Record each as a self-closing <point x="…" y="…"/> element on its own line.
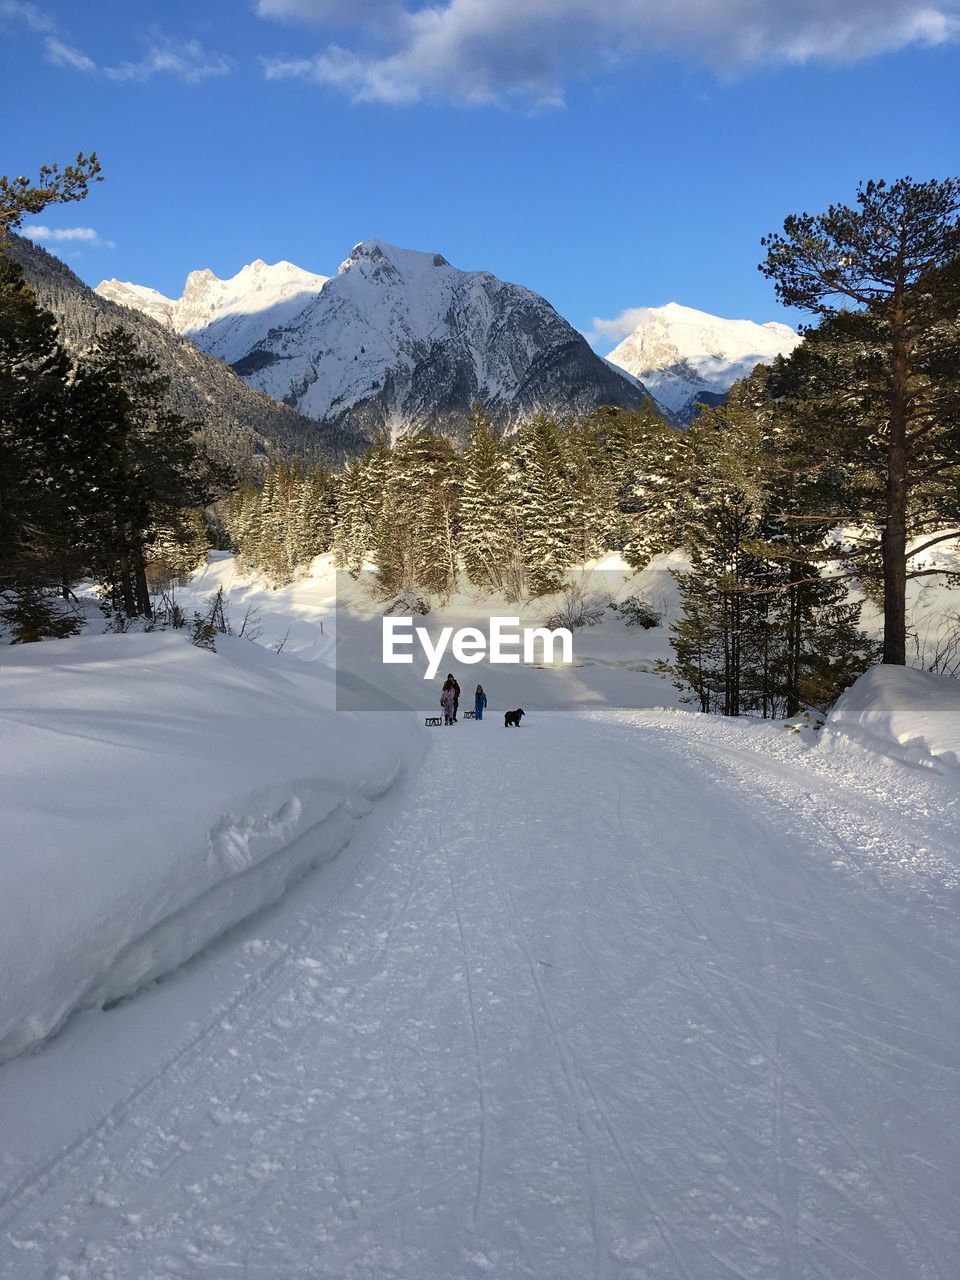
<point x="763" y="629"/>
<point x="488" y="542"/>
<point x="20" y="196"/>
<point x="358" y="498"/>
<point x="883" y="376"/>
<point x="542" y="501"/>
<point x="721" y="642"/>
<point x="312" y="515"/>
<point x="176" y="553"/>
<point x="155" y="470"/>
<point x="38" y="459"/>
<point x="593" y="487"/>
<point x="415" y="534"/>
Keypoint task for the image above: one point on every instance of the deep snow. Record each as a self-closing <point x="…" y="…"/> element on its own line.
<point x="153" y="794"/>
<point x="628" y="995"/>
<point x="901" y="712"/>
<point x="633" y="994"/>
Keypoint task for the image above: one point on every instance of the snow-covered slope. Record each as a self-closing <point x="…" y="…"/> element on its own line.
<point x="397" y="340"/>
<point x="153" y="794"/>
<point x="682" y="355"/>
<point x="901" y="712"/>
<point x="139" y="297"/>
<point x="640" y="995"/>
<point x="225" y="318"/>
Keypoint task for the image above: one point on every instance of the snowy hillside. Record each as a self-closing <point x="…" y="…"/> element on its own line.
<point x="397" y="340"/>
<point x="239" y="425"/>
<point x="680" y="354"/>
<point x="153" y="794"/>
<point x="225" y="318"/>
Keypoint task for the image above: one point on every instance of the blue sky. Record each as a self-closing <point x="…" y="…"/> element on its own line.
<point x="609" y="154"/>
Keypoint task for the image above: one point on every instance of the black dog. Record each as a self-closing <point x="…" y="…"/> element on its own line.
<point x="513" y="718"/>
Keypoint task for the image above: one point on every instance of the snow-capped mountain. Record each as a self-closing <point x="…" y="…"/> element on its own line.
<point x="397" y="340"/>
<point x="225" y="318"/>
<point x="683" y="356"/>
<point x="240" y="425"/>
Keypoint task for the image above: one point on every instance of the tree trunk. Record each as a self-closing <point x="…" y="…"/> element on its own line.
<point x="793" y="660"/>
<point x="126" y="587"/>
<point x="143" y="591"/>
<point x="895" y="527"/>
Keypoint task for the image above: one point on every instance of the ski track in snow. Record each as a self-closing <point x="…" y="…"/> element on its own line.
<point x="629" y="996"/>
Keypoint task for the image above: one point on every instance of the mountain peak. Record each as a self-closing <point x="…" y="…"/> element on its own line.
<point x="681" y="354"/>
<point x="406" y="261"/>
<point x="398" y="340"/>
<point x="225" y="317"/>
<point x="202" y="276"/>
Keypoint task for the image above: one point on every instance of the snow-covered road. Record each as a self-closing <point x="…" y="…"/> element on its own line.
<point x="627" y="996"/>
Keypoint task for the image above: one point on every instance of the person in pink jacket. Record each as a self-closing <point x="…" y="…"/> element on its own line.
<point x="447" y="701"/>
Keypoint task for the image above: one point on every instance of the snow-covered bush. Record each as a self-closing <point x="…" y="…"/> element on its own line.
<point x="406" y="603"/>
<point x="636" y="612"/>
<point x="30" y="614"/>
<point x="575" y="609"/>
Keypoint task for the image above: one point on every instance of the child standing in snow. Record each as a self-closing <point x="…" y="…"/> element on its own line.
<point x="447" y="700"/>
<point x="450" y="683"/>
<point x="479" y="702"/>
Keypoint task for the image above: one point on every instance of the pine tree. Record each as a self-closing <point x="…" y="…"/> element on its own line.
<point x="357" y="498"/>
<point x="488" y="544"/>
<point x="270" y="551"/>
<point x="21" y="196"/>
<point x="721" y="641"/>
<point x="763" y="629"/>
<point x="415" y="534"/>
<point x="888" y="367"/>
<point x="653" y="461"/>
<point x="542" y="504"/>
<point x="152" y="467"/>
<point x="592" y="486"/>
<point x="312" y="515"/>
<point x="54" y="451"/>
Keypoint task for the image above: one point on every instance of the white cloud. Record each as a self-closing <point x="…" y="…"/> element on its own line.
<point x="65" y="55"/>
<point x="66" y="235"/>
<point x="26" y="13"/>
<point x="188" y="61"/>
<point x="479" y="51"/>
<point x="615" y="330"/>
<point x="325" y="11"/>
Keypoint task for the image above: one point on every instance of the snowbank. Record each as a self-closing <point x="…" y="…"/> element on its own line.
<point x="901" y="712"/>
<point x="153" y="794"/>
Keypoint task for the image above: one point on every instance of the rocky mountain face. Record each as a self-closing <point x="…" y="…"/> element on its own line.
<point x="239" y="424"/>
<point x="397" y="341"/>
<point x="685" y="357"/>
